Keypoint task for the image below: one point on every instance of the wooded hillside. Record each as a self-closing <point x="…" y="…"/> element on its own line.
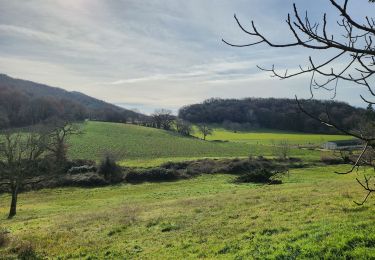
<point x="281" y="114"/>
<point x="24" y="103"/>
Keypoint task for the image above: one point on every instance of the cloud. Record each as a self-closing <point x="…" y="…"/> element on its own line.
<point x="160" y="53"/>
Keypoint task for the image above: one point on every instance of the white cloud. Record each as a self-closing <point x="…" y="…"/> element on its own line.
<point x="160" y="53"/>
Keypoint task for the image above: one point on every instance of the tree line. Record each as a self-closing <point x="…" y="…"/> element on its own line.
<point x="165" y="120"/>
<point x="272" y="113"/>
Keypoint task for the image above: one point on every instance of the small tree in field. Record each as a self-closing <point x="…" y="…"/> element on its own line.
<point x="205" y="130"/>
<point x="282" y="149"/>
<point x="163" y="119"/>
<point x="58" y="133"/>
<point x="20" y="154"/>
<point x="184" y="127"/>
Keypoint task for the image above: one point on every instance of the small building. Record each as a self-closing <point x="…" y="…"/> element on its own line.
<point x="343" y="145"/>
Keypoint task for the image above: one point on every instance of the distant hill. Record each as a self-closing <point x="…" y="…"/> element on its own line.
<point x="25" y="102"/>
<point x="272" y="113"/>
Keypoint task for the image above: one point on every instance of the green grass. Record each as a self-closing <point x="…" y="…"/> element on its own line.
<point x="265" y="137"/>
<point x="133" y="142"/>
<point x="138" y="145"/>
<point x="310" y="216"/>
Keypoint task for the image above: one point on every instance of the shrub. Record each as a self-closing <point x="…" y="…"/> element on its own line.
<point x="331" y="160"/>
<point x="175" y="165"/>
<point x="244" y="166"/>
<point x="83" y="180"/>
<point x="201" y="166"/>
<point x="154" y="175"/>
<point x="183" y="127"/>
<point x="260" y="175"/>
<point x="110" y="170"/>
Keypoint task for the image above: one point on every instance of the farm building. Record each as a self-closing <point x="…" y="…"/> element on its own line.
<point x="343" y="145"/>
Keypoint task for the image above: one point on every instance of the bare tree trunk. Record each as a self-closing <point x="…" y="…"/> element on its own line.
<point x="13" y="204"/>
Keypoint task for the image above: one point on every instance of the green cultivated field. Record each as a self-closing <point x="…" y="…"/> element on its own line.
<point x="310" y="216"/>
<point x="138" y="145"/>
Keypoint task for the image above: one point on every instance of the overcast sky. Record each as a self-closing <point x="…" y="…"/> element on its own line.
<point x="149" y="54"/>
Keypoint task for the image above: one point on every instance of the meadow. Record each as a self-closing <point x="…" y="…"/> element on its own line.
<point x="311" y="215"/>
<point x="269" y="137"/>
<point x="141" y="146"/>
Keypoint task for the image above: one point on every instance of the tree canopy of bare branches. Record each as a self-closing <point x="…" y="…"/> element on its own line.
<point x="19" y="156"/>
<point x="163" y="119"/>
<point x="351" y="41"/>
<point x="58" y="134"/>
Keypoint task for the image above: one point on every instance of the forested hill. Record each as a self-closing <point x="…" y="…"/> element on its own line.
<point x="272" y="113"/>
<point x="25" y="103"/>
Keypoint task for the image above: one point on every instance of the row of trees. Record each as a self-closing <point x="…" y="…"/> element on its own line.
<point x="164" y="119"/>
<point x="28" y="153"/>
<point x="281" y="114"/>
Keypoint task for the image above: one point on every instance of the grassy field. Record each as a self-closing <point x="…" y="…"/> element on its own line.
<point x="138" y="145"/>
<point x="267" y="137"/>
<point x="311" y="215"/>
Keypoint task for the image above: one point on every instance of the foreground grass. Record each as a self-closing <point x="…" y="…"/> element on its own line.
<point x="144" y="145"/>
<point x="310" y="216"/>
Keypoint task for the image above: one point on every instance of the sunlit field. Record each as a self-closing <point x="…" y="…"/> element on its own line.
<point x="268" y="137"/>
<point x="137" y="145"/>
<point x="311" y="215"/>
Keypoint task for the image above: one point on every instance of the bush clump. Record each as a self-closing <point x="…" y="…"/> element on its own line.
<point x="329" y="160"/>
<point x="155" y="175"/>
<point x="111" y="171"/>
<point x="90" y="179"/>
<point x="260" y="175"/>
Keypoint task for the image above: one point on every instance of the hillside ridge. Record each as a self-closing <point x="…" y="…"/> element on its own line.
<point x="24" y="102"/>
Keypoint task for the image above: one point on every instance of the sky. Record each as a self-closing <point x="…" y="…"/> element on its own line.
<point x="150" y="54"/>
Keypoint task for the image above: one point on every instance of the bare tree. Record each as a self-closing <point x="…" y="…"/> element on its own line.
<point x="58" y="133"/>
<point x="163" y="119"/>
<point x="205" y="130"/>
<point x="19" y="156"/>
<point x="353" y="45"/>
<point x="184" y="127"/>
<point x="282" y="149"/>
